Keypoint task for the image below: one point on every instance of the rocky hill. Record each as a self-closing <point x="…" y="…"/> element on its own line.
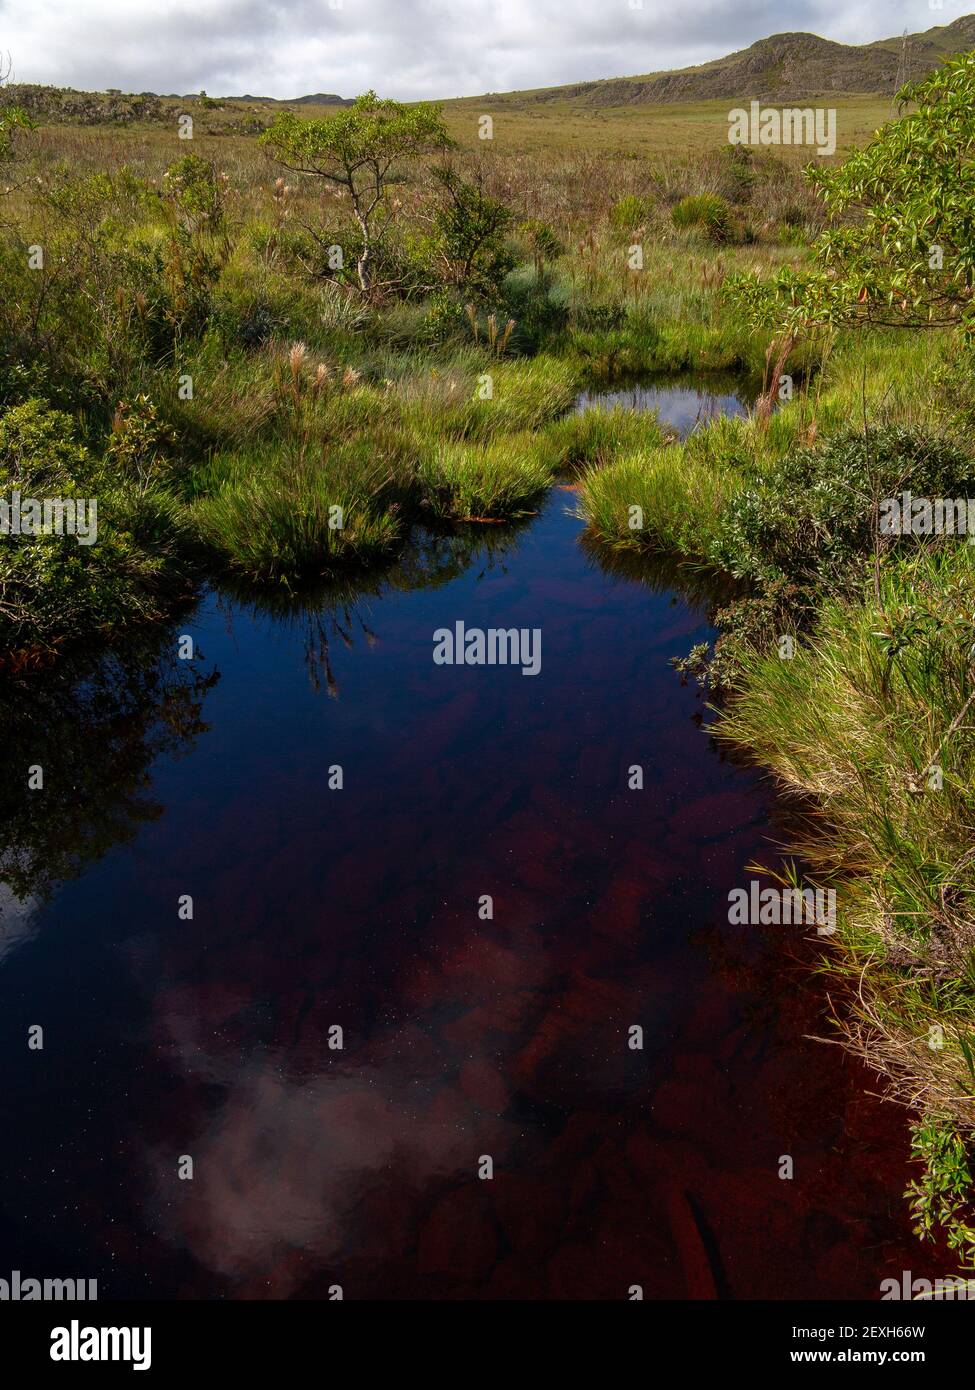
<point x="784" y="67"/>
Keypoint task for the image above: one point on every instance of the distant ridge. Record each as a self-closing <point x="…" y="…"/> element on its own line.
<point x="783" y="67"/>
<point x="316" y="99"/>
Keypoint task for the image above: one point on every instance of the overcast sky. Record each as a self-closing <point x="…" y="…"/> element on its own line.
<point x="408" y="48"/>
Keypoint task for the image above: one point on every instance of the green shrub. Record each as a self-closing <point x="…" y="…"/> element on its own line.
<point x="539" y="308"/>
<point x="811" y="516"/>
<point x="54" y="588"/>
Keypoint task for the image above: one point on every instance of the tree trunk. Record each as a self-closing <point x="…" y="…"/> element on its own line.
<point x="362" y="269"/>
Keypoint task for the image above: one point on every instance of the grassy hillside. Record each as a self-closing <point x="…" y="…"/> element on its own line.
<point x="644" y="131"/>
<point x="782" y="67"/>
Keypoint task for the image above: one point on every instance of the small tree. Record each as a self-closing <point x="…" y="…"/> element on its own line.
<point x="193" y="200"/>
<point x="900" y="250"/>
<point x="358" y="150"/>
<point x="12" y="120"/>
<point x="469" y="231"/>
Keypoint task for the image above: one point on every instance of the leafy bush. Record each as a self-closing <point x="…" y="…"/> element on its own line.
<point x="812" y="516"/>
<point x="540" y="310"/>
<point x="898" y="249"/>
<point x="469" y="230"/>
<point x="54" y="589"/>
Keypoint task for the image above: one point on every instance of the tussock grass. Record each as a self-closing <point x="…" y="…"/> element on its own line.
<point x="500" y="398"/>
<point x="273" y="515"/>
<point x="872" y="720"/>
<point x="598" y="435"/>
<point x="663" y="500"/>
<point x="493" y="481"/>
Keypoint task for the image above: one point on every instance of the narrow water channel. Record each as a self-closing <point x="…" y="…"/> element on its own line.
<point x="464" y="1038"/>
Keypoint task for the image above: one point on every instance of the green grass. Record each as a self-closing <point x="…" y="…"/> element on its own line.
<point x="879" y="697"/>
<point x="662" y="500"/>
<point x="883" y="377"/>
<point x="597" y="435"/>
<point x="483" y="400"/>
<point x="280" y="515"/>
<point x="494" y="481"/>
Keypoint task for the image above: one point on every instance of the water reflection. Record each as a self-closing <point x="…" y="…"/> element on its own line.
<point x="684" y="402"/>
<point x="463" y="1036"/>
<point x="339" y="610"/>
<point x="94" y="728"/>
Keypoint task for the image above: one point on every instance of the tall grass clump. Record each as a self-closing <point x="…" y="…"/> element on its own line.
<point x="493" y="399"/>
<point x="707" y="212"/>
<point x="277" y="515"/>
<point x="598" y="435"/>
<point x="494" y="481"/>
<point x="663" y="500"/>
<point x="632" y="211"/>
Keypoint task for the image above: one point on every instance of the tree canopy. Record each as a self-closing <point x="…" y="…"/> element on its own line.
<point x="358" y="149"/>
<point x="900" y="246"/>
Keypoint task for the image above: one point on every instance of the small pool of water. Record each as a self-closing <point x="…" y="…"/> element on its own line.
<point x="471" y="1043"/>
<point x="682" y="402"/>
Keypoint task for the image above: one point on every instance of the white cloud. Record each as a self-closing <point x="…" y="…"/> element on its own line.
<point x="406" y="48"/>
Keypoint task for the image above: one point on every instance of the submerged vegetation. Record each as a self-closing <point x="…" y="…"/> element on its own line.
<point x="272" y="360"/>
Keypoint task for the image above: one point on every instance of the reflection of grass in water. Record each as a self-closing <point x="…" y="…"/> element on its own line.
<point x="661" y="573"/>
<point x="338" y="609"/>
<point x="743" y="386"/>
<point x="95" y="726"/>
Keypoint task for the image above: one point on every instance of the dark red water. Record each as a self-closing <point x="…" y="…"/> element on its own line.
<point x="463" y="1038"/>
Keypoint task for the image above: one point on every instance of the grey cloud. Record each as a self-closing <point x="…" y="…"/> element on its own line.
<point x="406" y="48"/>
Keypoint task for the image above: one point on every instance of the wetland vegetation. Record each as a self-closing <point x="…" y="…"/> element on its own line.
<point x="278" y="354"/>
